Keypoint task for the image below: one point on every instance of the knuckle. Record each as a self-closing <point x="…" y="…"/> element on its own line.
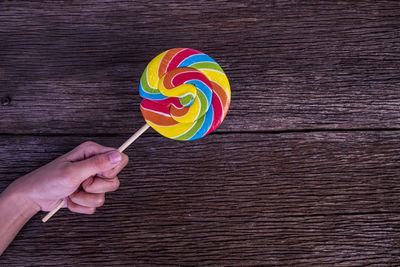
<point x="71" y="209"/>
<point x="116" y="184"/>
<point x="99" y="200"/>
<point x="86" y="185"/>
<point x="87" y="143"/>
<point x="91" y="210"/>
<point x="99" y="161"/>
<point x="72" y="197"/>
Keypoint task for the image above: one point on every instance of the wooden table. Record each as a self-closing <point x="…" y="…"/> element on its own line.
<point x="304" y="170"/>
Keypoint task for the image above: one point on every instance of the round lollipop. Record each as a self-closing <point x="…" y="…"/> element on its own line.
<point x="186" y="95"/>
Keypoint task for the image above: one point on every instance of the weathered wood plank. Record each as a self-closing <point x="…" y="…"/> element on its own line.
<point x="341" y="240"/>
<point x="73" y="67"/>
<point x="227" y="199"/>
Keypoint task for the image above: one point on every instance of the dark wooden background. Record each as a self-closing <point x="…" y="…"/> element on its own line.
<point x="305" y="169"/>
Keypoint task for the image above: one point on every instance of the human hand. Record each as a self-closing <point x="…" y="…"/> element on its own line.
<point x="81" y="177"/>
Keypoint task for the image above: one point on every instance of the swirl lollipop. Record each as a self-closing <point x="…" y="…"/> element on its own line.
<point x="186" y="95"/>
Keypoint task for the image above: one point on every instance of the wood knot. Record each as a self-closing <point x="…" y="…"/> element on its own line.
<point x="5" y="101"/>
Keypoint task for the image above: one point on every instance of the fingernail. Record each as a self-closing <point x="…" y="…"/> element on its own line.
<point x="114" y="157"/>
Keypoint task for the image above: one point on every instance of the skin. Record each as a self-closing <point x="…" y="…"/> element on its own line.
<point x="81" y="177"/>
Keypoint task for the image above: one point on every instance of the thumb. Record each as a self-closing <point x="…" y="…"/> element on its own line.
<point x="96" y="164"/>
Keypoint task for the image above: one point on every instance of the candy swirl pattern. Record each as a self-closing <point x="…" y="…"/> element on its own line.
<point x="186" y="94"/>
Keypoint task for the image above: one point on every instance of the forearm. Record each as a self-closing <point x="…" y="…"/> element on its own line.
<point x="15" y="211"/>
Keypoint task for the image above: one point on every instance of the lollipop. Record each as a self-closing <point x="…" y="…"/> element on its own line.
<point x="186" y="96"/>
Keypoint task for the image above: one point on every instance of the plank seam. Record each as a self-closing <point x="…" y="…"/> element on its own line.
<point x="214" y="133"/>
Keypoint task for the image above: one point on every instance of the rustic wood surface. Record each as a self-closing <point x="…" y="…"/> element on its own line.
<point x="292" y="65"/>
<point x="305" y="169"/>
<point x="240" y="199"/>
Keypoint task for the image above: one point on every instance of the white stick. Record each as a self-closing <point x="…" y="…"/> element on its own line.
<point x="133" y="137"/>
<point x="51" y="213"/>
<point x="120" y="149"/>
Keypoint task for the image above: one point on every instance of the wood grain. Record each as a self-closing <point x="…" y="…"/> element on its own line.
<point x="304" y="170"/>
<point x="73" y="67"/>
<point x="327" y="198"/>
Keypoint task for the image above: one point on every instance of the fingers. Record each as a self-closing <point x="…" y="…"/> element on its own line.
<point x="100" y="185"/>
<point x="86" y="150"/>
<point x="94" y="195"/>
<point x="86" y="166"/>
<point x="79" y="209"/>
<point x="81" y="170"/>
<point x="116" y="170"/>
<point x="89" y="200"/>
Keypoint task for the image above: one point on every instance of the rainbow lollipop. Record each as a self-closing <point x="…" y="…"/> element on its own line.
<point x="186" y="95"/>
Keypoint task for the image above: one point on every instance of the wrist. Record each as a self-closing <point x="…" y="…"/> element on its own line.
<point x="15" y="211"/>
<point x="19" y="200"/>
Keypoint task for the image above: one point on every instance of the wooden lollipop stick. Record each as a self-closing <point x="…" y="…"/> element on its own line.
<point x="120" y="149"/>
<point x="51" y="213"/>
<point x="133" y="137"/>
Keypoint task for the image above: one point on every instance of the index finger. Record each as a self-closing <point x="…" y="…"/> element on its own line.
<point x="85" y="151"/>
